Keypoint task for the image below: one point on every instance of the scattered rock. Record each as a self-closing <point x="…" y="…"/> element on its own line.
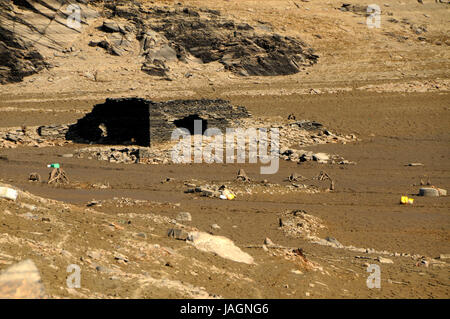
<point x="215" y="227"/>
<point x="355" y="8"/>
<point x="94" y="254"/>
<point x="121" y="258"/>
<point x="384" y="260"/>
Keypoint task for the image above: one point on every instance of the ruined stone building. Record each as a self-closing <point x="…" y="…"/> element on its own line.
<point x="137" y="121"/>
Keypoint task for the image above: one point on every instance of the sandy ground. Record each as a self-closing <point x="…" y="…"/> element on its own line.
<point x="393" y="95"/>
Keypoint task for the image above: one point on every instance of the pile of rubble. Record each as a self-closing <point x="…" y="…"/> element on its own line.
<point x="118" y="154"/>
<point x="301" y="156"/>
<point x="298" y="223"/>
<point x="292" y="136"/>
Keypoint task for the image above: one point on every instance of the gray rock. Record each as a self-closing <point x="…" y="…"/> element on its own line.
<point x="429" y="192"/>
<point x="177" y="234"/>
<point x="165" y="53"/>
<point x="141" y="235"/>
<point x="334" y="241"/>
<point x="305" y="158"/>
<point x="156" y="68"/>
<point x="268" y="242"/>
<point x="384" y="260"/>
<point x="103" y="269"/>
<point x="111" y="26"/>
<point x="184" y="217"/>
<point x="321" y="157"/>
<point x="208" y="193"/>
<point x="294" y="177"/>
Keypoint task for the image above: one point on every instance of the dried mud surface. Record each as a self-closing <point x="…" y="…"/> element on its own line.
<point x="112" y="219"/>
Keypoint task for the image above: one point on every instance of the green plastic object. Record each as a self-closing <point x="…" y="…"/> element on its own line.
<point x="55" y="165"/>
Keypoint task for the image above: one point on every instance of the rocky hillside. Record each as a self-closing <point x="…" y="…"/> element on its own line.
<point x="30" y="29"/>
<point x="160" y="34"/>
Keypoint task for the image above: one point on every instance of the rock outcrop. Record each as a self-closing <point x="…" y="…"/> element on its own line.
<point x="18" y="58"/>
<point x="31" y="29"/>
<point x="168" y="34"/>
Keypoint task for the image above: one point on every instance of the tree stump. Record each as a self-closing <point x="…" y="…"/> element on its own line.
<point x="58" y="176"/>
<point x="35" y="177"/>
<point x="242" y="176"/>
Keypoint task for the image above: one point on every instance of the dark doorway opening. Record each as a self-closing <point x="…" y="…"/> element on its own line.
<point x="115" y="122"/>
<point x="188" y="123"/>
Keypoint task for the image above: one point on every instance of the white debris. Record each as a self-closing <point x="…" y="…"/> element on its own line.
<point x="220" y="245"/>
<point x="8" y="193"/>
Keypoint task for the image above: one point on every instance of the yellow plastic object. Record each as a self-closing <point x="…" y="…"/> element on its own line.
<point x="229" y="195"/>
<point x="405" y="200"/>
